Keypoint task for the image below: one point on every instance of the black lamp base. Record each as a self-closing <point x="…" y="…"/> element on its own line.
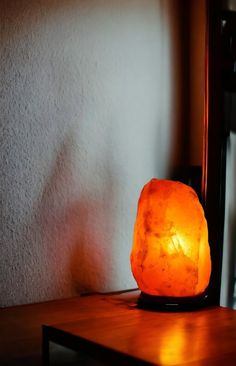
<point x="168" y="303"/>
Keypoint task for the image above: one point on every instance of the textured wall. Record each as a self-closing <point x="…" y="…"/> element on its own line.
<point x="89" y="105"/>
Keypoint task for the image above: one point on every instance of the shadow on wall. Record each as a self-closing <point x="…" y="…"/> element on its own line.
<point x="72" y="228"/>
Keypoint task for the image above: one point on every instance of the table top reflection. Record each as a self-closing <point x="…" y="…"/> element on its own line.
<point x="115" y="330"/>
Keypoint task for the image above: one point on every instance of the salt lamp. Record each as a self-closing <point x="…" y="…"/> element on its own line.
<point x="170" y="256"/>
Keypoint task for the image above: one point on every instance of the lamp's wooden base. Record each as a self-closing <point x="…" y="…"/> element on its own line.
<point x="168" y="303"/>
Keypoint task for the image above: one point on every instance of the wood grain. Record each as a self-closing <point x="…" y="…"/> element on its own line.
<point x="113" y="326"/>
<point x="203" y="337"/>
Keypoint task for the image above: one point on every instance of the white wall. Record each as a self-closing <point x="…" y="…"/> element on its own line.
<point x="88" y="115"/>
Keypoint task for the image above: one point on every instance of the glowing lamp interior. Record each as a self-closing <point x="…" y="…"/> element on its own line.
<point x="170" y="254"/>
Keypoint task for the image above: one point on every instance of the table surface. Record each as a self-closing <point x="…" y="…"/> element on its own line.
<point x="114" y="325"/>
<point x="199" y="338"/>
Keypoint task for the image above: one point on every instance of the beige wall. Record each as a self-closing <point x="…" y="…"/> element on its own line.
<point x="90" y="112"/>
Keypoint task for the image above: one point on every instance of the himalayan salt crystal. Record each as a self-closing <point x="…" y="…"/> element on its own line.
<point x="170" y="254"/>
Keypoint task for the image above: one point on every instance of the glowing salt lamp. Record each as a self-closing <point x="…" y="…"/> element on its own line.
<point x="170" y="255"/>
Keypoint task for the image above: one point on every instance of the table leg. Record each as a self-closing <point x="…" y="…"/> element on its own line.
<point x="45" y="346"/>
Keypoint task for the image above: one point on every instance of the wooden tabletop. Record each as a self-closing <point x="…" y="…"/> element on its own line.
<point x="112" y="328"/>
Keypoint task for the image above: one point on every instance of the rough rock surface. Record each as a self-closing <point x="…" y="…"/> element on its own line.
<point x="170" y="254"/>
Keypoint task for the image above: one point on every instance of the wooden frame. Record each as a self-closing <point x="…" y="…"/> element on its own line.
<point x="214" y="151"/>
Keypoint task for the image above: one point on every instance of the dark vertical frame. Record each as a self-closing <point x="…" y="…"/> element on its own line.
<point x="214" y="154"/>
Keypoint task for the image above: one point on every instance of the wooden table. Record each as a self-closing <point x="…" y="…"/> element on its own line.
<point x="111" y="328"/>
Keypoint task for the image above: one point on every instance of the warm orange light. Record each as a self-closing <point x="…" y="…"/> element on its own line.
<point x="170" y="254"/>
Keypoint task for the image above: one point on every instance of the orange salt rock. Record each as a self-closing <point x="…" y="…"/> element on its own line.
<point x="170" y="254"/>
